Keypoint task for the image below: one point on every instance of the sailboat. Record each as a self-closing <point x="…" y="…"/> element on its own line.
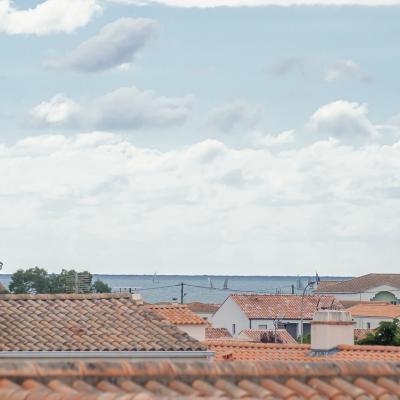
<point x="226" y="283"/>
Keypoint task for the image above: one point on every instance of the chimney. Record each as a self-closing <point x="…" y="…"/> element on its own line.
<point x="138" y="299"/>
<point x="330" y="328"/>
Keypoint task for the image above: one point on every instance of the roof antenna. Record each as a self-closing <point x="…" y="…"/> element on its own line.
<point x="1" y="265"/>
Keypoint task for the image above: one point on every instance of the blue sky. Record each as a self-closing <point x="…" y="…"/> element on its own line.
<point x="200" y="140"/>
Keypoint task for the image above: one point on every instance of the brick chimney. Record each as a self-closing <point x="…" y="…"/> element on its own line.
<point x="330" y="328"/>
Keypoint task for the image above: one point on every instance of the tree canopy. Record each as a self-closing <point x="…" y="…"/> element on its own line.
<point x="38" y="280"/>
<point x="387" y="334"/>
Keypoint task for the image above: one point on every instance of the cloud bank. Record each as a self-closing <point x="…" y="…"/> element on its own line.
<point x="97" y="200"/>
<point x="123" y="109"/>
<point x="116" y="44"/>
<point x="50" y="16"/>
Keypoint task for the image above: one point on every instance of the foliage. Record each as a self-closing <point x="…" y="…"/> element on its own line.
<point x="306" y="338"/>
<point x="32" y="280"/>
<point x="101" y="287"/>
<point x="38" y="280"/>
<point x="387" y="334"/>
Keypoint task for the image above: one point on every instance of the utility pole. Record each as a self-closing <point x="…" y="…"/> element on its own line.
<point x="182" y="294"/>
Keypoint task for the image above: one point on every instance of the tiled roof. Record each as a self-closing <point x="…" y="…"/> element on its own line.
<point x="287" y="306"/>
<point x="85" y="322"/>
<point x="362" y="284"/>
<point x="256" y="335"/>
<point x="362" y="333"/>
<point x="217" y="333"/>
<point x="177" y="314"/>
<point x="325" y="284"/>
<point x="238" y="350"/>
<point x="165" y="380"/>
<point x="198" y="307"/>
<point x="372" y="309"/>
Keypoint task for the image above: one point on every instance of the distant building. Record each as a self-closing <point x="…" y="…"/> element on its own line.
<point x="89" y="326"/>
<point x="204" y="310"/>
<point x="263" y="311"/>
<point x="369" y="315"/>
<point x="266" y="336"/>
<point x="371" y="287"/>
<point x="181" y="316"/>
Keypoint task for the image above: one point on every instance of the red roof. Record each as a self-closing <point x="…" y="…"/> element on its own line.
<point x="372" y="309"/>
<point x="286" y="306"/>
<point x="257" y="335"/>
<point x="217" y="333"/>
<point x="128" y="380"/>
<point x="239" y="350"/>
<point x="361" y="284"/>
<point x="85" y="322"/>
<point x="177" y="314"/>
<point x="205" y="308"/>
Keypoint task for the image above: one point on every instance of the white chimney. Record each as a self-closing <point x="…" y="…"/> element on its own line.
<point x="330" y="328"/>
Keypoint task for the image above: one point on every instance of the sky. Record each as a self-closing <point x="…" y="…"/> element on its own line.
<point x="229" y="137"/>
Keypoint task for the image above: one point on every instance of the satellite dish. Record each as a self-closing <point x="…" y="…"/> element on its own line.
<point x="1" y="265"/>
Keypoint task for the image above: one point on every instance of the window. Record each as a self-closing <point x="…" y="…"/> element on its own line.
<point x="233" y="329"/>
<point x="368" y="325"/>
<point x="264" y="326"/>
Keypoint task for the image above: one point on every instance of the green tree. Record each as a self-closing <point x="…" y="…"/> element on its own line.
<point x="32" y="280"/>
<point x="387" y="334"/>
<point x="37" y="280"/>
<point x="101" y="287"/>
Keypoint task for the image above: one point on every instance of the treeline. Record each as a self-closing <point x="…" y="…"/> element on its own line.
<point x="39" y="281"/>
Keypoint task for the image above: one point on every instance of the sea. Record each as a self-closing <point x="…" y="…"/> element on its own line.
<point x="203" y="288"/>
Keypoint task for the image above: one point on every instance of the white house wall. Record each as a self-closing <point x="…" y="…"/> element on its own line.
<point x="362" y="322"/>
<point x="228" y="314"/>
<point x="195" y="331"/>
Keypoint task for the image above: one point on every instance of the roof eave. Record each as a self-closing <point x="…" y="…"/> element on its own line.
<point x="205" y="354"/>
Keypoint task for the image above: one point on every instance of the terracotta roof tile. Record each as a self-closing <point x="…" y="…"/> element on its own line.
<point x="361" y="333"/>
<point x="249" y="351"/>
<point x="373" y="309"/>
<point x="361" y="284"/>
<point x="198" y="307"/>
<point x="217" y="333"/>
<point x="85" y="322"/>
<point x="269" y="306"/>
<point x="177" y="314"/>
<point x="163" y="380"/>
<point x="256" y="335"/>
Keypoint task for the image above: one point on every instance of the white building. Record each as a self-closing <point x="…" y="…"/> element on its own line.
<point x="369" y="315"/>
<point x="371" y="287"/>
<point x="263" y="311"/>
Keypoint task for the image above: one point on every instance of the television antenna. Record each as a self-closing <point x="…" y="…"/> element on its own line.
<point x="1" y="265"/>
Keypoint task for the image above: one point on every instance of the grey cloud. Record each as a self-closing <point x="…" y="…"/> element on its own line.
<point x="287" y="65"/>
<point x="116" y="44"/>
<point x="123" y="109"/>
<point x="236" y="117"/>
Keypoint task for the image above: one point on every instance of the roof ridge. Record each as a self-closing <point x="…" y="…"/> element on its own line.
<point x="65" y="296"/>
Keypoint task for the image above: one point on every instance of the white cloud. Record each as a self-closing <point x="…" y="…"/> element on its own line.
<point x="116" y="45"/>
<point x="254" y="3"/>
<point x="344" y="120"/>
<point x="285" y="137"/>
<point x="50" y="16"/>
<point x="236" y="117"/>
<point x="346" y="69"/>
<point x="98" y="201"/>
<point x="122" y="109"/>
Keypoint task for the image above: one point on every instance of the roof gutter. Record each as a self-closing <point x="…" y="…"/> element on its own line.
<point x="107" y="354"/>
